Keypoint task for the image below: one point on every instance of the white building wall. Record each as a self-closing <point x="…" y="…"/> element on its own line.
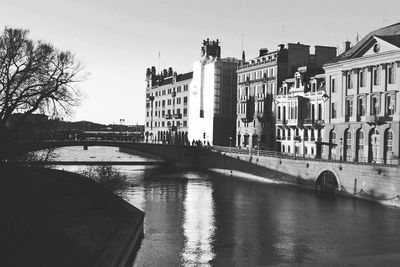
<point x="203" y="79"/>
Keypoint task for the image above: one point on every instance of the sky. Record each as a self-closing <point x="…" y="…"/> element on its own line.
<point x="117" y="40"/>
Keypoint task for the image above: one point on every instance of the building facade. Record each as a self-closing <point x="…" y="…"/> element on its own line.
<point x="212" y="98"/>
<point x="258" y="83"/>
<point x="167" y="98"/>
<point x="197" y="106"/>
<point x="300" y="112"/>
<point x="363" y="109"/>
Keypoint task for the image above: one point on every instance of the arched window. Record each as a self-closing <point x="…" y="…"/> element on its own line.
<point x="389" y="140"/>
<point x="332" y="137"/>
<point x="348" y="139"/>
<point x="360" y="140"/>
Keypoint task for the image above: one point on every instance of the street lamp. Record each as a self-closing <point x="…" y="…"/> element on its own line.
<point x="230" y="143"/>
<point x="258" y="146"/>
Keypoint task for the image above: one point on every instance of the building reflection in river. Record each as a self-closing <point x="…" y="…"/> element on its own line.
<point x="199" y="223"/>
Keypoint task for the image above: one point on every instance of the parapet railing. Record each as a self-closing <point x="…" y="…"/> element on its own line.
<point x="275" y="154"/>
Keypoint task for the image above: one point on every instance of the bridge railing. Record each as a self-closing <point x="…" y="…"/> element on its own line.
<point x="275" y="154"/>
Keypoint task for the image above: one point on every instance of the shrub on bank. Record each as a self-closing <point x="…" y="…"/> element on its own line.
<point x="109" y="178"/>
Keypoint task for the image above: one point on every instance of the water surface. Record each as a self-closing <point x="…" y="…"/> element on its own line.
<point x="204" y="219"/>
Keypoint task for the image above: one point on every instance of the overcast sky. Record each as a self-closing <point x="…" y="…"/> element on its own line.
<point x="117" y="40"/>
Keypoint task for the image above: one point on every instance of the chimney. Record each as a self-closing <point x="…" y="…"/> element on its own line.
<point x="170" y="71"/>
<point x="243" y="57"/>
<point x="153" y="70"/>
<point x="347" y="45"/>
<point x="263" y="52"/>
<point x="165" y="72"/>
<point x="281" y="46"/>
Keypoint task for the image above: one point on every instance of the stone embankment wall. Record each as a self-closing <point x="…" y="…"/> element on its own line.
<point x="375" y="181"/>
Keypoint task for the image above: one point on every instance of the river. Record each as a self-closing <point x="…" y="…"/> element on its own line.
<point x="198" y="218"/>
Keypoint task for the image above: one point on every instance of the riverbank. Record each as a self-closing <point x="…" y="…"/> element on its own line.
<point x="55" y="218"/>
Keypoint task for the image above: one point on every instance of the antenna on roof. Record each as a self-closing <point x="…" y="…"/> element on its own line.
<point x="339" y="49"/>
<point x="357" y="38"/>
<point x="159" y="60"/>
<point x="384" y="20"/>
<point x="242" y="41"/>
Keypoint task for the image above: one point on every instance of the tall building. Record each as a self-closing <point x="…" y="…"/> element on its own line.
<point x="363" y="110"/>
<point x="212" y="99"/>
<point x="258" y="83"/>
<point x="195" y="106"/>
<point x="167" y="98"/>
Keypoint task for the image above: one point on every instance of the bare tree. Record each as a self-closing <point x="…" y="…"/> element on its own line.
<point x="34" y="77"/>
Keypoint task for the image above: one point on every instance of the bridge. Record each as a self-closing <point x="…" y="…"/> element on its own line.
<point x="378" y="181"/>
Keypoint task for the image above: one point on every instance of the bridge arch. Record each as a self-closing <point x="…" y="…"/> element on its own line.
<point x="327" y="178"/>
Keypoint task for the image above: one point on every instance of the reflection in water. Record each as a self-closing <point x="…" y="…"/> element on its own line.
<point x="198" y="224"/>
<point x="200" y="219"/>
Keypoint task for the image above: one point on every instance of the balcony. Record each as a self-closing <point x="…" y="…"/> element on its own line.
<point x="313" y="124"/>
<point x="168" y="116"/>
<point x="297" y="138"/>
<point x="374" y="119"/>
<point x="278" y="138"/>
<point x="173" y="128"/>
<point x="281" y="122"/>
<point x="178" y="116"/>
<point x="295" y="122"/>
<point x="305" y="138"/>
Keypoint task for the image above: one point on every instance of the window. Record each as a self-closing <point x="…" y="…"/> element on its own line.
<point x="349" y="107"/>
<point x="185" y="112"/>
<point x="360" y="138"/>
<point x="391" y="74"/>
<point x="333" y="137"/>
<point x="375" y="105"/>
<point x="377" y="76"/>
<point x="147" y="124"/>
<point x="163" y="103"/>
<point x="362" y="78"/>
<point x="389" y="140"/>
<point x="163" y="124"/>
<point x="348" y="139"/>
<point x="184" y="123"/>
<point x="178" y="100"/>
<point x="178" y="89"/>
<point x="361" y="107"/>
<point x="390" y="105"/>
<point x="333" y="85"/>
<point x="185" y="100"/>
<point x="334" y="114"/>
<point x="349" y="81"/>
